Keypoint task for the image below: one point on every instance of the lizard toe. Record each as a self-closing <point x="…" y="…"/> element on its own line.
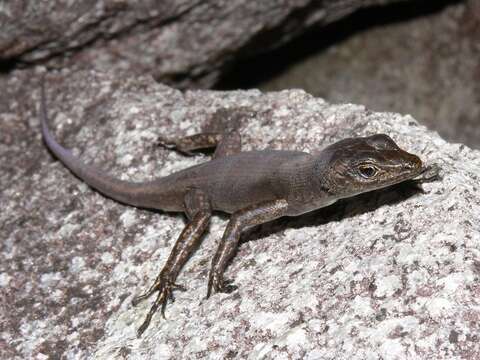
<point x="227" y="287"/>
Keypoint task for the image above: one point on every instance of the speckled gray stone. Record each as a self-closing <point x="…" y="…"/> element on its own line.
<point x="387" y="275"/>
<point x="183" y="42"/>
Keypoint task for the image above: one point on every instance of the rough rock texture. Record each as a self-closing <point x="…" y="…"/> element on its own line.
<point x="427" y="66"/>
<point x="182" y="42"/>
<point x="388" y="275"/>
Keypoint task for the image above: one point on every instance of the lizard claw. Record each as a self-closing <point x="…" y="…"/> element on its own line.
<point x="216" y="283"/>
<point x="179" y="287"/>
<point x="173" y="145"/>
<point x="164" y="287"/>
<point x="165" y="142"/>
<point x="228" y="287"/>
<point x="171" y="297"/>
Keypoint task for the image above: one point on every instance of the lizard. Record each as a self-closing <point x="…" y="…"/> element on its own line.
<point x="255" y="187"/>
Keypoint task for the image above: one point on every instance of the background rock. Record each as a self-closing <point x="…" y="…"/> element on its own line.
<point x="389" y="274"/>
<point x="410" y="57"/>
<point x="185" y="43"/>
<point x="418" y="59"/>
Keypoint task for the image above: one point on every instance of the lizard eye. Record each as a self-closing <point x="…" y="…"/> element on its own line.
<point x="367" y="171"/>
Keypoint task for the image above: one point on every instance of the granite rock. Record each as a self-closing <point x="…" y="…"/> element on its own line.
<point x="186" y="43"/>
<point x="391" y="274"/>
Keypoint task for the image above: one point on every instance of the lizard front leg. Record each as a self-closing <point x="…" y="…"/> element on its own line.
<point x="198" y="211"/>
<point x="228" y="143"/>
<point x="241" y="220"/>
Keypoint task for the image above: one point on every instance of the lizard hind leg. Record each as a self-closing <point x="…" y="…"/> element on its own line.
<point x="198" y="210"/>
<point x="225" y="144"/>
<point x="241" y="220"/>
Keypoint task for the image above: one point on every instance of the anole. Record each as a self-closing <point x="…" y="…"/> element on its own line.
<point x="253" y="186"/>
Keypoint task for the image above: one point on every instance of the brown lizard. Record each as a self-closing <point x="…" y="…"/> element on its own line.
<point x="253" y="186"/>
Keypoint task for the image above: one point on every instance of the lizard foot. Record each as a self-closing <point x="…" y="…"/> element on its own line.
<point x="216" y="283"/>
<point x="173" y="145"/>
<point x="164" y="287"/>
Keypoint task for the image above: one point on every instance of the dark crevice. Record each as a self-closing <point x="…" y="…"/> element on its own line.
<point x="7" y="66"/>
<point x="251" y="71"/>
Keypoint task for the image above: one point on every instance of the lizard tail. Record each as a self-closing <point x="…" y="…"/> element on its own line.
<point x="130" y="193"/>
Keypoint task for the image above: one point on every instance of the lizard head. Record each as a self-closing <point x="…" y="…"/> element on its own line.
<point x="358" y="165"/>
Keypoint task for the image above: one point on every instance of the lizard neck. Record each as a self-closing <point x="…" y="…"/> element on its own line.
<point x="308" y="185"/>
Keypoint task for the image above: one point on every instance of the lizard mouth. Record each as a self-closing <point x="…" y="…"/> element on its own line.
<point x="422" y="174"/>
<point x="428" y="173"/>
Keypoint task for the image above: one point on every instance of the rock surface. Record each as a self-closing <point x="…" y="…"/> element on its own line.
<point x="427" y="66"/>
<point x="177" y="41"/>
<point x="388" y="275"/>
